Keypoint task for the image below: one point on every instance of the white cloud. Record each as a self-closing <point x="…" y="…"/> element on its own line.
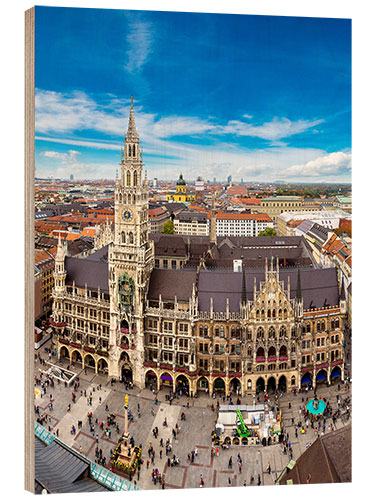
<point x="181" y="125"/>
<point x="332" y="164"/>
<point x="276" y="129"/>
<point x="68" y="157"/>
<point x="139" y="43"/>
<point x="62" y="116"/>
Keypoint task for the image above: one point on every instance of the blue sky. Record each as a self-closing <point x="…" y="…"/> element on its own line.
<point x="258" y="97"/>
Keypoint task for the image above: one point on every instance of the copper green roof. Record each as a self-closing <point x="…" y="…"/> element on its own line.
<point x="181" y="181"/>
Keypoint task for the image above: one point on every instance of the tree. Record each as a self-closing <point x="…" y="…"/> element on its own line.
<point x="168" y="227"/>
<point x="269" y="231"/>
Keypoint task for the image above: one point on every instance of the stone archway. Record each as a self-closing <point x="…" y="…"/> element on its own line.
<point x="126" y="372"/>
<point x="219" y="385"/>
<point x="151" y="379"/>
<point x="321" y="377"/>
<point x="202" y="384"/>
<point x="235" y="385"/>
<point x="76" y="357"/>
<point x="89" y="362"/>
<point x="260" y="384"/>
<point x="282" y="385"/>
<point x="335" y="374"/>
<point x="271" y="384"/>
<point x="166" y="380"/>
<point x="182" y="385"/>
<point x="306" y="379"/>
<point x="102" y="365"/>
<point x="64" y="353"/>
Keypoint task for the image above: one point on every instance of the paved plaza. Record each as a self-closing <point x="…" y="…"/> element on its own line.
<point x="194" y="433"/>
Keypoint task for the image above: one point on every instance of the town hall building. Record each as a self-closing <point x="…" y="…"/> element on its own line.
<point x="200" y="313"/>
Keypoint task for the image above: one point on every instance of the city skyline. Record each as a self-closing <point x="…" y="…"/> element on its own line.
<point x="257" y="97"/>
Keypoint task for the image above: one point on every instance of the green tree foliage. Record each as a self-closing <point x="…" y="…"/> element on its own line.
<point x="269" y="231"/>
<point x="168" y="227"/>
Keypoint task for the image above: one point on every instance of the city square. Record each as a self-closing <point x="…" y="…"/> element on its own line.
<point x="194" y="432"/>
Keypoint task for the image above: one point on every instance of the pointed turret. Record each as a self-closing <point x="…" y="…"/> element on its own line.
<point x="342" y="291"/>
<point x="298" y="302"/>
<point x="298" y="292"/>
<point x="132" y="135"/>
<point x="243" y="291"/>
<point x="343" y="307"/>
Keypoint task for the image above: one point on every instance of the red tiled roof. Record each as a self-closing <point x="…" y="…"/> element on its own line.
<point x="237" y="200"/>
<point x="237" y="190"/>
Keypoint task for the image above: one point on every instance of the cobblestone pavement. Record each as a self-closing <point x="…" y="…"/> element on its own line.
<point x="194" y="433"/>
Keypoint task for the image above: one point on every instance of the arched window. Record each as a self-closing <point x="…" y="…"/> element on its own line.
<point x="120" y="198"/>
<point x="274" y="313"/>
<point x="128" y="178"/>
<point x="293" y="331"/>
<point x="318" y="326"/>
<point x="269" y="313"/>
<point x="271" y="333"/>
<point x="135" y="179"/>
<point x="249" y="351"/>
<point x="282" y="331"/>
<point x="308" y="327"/>
<point x="332" y="324"/>
<point x="131" y="237"/>
<point x="217" y="330"/>
<point x="337" y="323"/>
<point x="130" y="150"/>
<point x="133" y="149"/>
<point x="260" y="333"/>
<point x="133" y="199"/>
<point x="123" y="237"/>
<point x="323" y="325"/>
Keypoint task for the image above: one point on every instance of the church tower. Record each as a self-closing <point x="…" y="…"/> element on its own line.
<point x="130" y="262"/>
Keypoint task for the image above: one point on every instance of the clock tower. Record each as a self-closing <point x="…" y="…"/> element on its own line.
<point x="130" y="262"/>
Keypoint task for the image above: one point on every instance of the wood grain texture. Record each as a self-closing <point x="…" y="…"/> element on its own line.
<point x="29" y="247"/>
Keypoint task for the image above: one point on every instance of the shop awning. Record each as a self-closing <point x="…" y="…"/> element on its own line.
<point x="306" y="379"/>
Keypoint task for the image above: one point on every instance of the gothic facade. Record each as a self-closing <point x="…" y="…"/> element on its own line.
<point x="193" y="328"/>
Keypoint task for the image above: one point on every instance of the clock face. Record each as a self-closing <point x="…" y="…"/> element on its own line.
<point x="127" y="215"/>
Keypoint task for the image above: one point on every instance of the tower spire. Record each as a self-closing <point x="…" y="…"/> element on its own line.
<point x="132" y="135"/>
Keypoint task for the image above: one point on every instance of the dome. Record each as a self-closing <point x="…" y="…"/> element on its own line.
<point x="181" y="181"/>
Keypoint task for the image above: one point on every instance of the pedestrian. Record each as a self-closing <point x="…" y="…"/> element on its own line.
<point x="229" y="481"/>
<point x="252" y="479"/>
<point x="259" y="481"/>
<point x="230" y="463"/>
<point x="269" y="468"/>
<point x="161" y="454"/>
<point x="244" y="483"/>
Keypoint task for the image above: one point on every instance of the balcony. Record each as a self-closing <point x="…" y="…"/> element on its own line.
<point x="260" y="359"/>
<point x="283" y="358"/>
<point x="272" y="359"/>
